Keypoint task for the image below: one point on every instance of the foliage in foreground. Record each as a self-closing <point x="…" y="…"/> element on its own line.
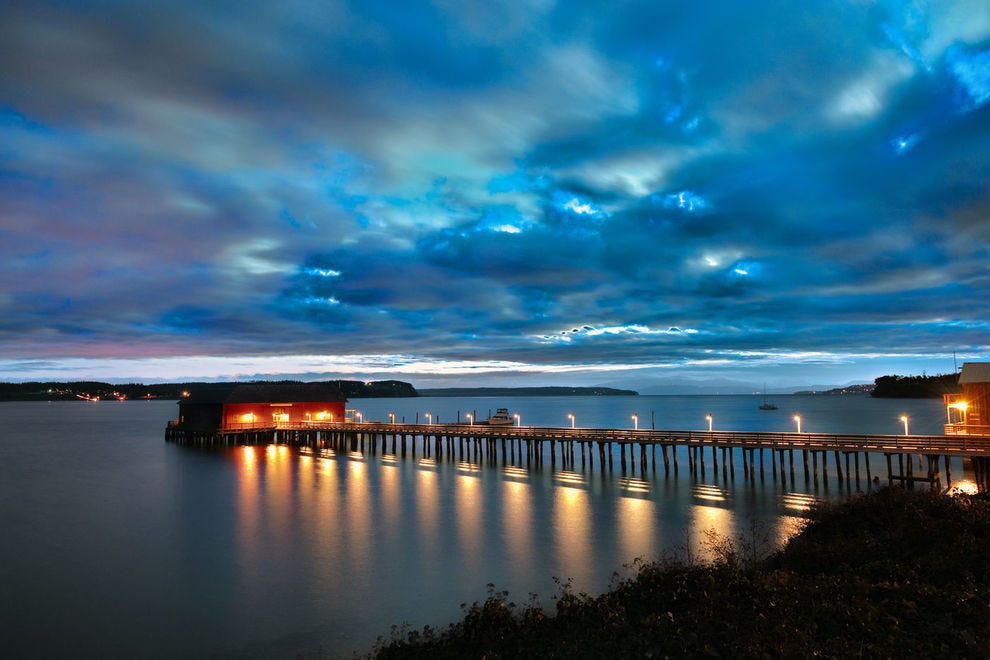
<point x="893" y="574"/>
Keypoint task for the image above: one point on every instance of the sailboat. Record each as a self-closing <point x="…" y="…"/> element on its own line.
<point x="766" y="405"/>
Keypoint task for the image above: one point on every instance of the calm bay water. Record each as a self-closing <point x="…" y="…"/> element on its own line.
<point x="117" y="544"/>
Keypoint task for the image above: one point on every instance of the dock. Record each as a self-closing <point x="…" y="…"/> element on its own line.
<point x="910" y="459"/>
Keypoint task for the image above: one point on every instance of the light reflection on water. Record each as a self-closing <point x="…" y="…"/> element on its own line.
<point x="572" y="530"/>
<point x="248" y="513"/>
<point x="427" y="513"/>
<point x="468" y="503"/>
<point x="464" y="521"/>
<point x="274" y="552"/>
<point x="636" y="527"/>
<point x="517" y="521"/>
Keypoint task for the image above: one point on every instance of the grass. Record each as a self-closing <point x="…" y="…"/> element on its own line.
<point x="891" y="574"/>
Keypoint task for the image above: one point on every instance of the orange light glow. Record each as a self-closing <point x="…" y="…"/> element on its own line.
<point x="247" y="418"/>
<point x="635" y="522"/>
<point x="518" y="521"/>
<point x="966" y="486"/>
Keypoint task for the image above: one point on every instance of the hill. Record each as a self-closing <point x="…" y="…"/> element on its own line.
<point x="89" y="390"/>
<point x="527" y="391"/>
<point x="916" y="387"/>
<point x="865" y="388"/>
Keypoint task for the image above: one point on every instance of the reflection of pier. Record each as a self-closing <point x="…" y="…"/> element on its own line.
<point x="761" y="454"/>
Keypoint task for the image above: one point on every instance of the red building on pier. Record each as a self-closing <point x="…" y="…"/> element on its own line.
<point x="968" y="413"/>
<point x="224" y="406"/>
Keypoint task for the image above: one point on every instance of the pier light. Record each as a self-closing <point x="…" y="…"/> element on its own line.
<point x="429" y="418"/>
<point x="518" y="419"/>
<point x="470" y="419"/>
<point x="797" y="419"/>
<point x="904" y="418"/>
<point x="391" y="418"/>
<point x="570" y="416"/>
<point x="635" y="419"/>
<point x="357" y="416"/>
<point x="961" y="406"/>
<point x="709" y="418"/>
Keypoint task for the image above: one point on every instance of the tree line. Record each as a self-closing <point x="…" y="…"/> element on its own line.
<point x="916" y="387"/>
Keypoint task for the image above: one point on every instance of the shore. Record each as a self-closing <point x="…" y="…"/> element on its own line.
<point x="889" y="574"/>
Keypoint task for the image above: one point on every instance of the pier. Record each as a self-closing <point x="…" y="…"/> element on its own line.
<point x="910" y="459"/>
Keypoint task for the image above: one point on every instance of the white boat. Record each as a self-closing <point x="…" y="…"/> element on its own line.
<point x="500" y="418"/>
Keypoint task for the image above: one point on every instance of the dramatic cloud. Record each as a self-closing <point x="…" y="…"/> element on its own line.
<point x="523" y="192"/>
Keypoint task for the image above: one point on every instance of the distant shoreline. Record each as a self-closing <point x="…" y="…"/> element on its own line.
<point x="95" y="390"/>
<point x="526" y="391"/>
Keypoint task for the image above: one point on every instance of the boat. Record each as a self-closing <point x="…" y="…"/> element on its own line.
<point x="500" y="418"/>
<point x="766" y="405"/>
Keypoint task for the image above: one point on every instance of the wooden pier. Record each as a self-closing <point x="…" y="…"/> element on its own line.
<point x="910" y="459"/>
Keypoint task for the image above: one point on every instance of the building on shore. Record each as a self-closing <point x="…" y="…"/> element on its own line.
<point x="968" y="412"/>
<point x="227" y="406"/>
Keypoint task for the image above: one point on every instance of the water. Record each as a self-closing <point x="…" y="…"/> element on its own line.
<point x="117" y="544"/>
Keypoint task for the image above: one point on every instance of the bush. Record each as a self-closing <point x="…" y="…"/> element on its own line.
<point x="889" y="574"/>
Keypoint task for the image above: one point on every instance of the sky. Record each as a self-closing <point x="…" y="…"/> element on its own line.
<point x="664" y="196"/>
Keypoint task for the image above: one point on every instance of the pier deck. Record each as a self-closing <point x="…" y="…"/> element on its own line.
<point x="535" y="443"/>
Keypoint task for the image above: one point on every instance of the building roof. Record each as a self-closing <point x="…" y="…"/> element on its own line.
<point x="264" y="392"/>
<point x="284" y="392"/>
<point x="207" y="393"/>
<point x="975" y="372"/>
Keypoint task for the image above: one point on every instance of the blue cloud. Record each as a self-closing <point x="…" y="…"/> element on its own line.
<point x="763" y="180"/>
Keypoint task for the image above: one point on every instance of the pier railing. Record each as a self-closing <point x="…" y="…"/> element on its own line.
<point x="968" y="444"/>
<point x="967" y="429"/>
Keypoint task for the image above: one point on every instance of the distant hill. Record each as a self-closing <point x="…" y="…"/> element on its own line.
<point x="865" y="388"/>
<point x="527" y="391"/>
<point x="82" y="390"/>
<point x="916" y="387"/>
<point x="89" y="390"/>
<point x="356" y="389"/>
